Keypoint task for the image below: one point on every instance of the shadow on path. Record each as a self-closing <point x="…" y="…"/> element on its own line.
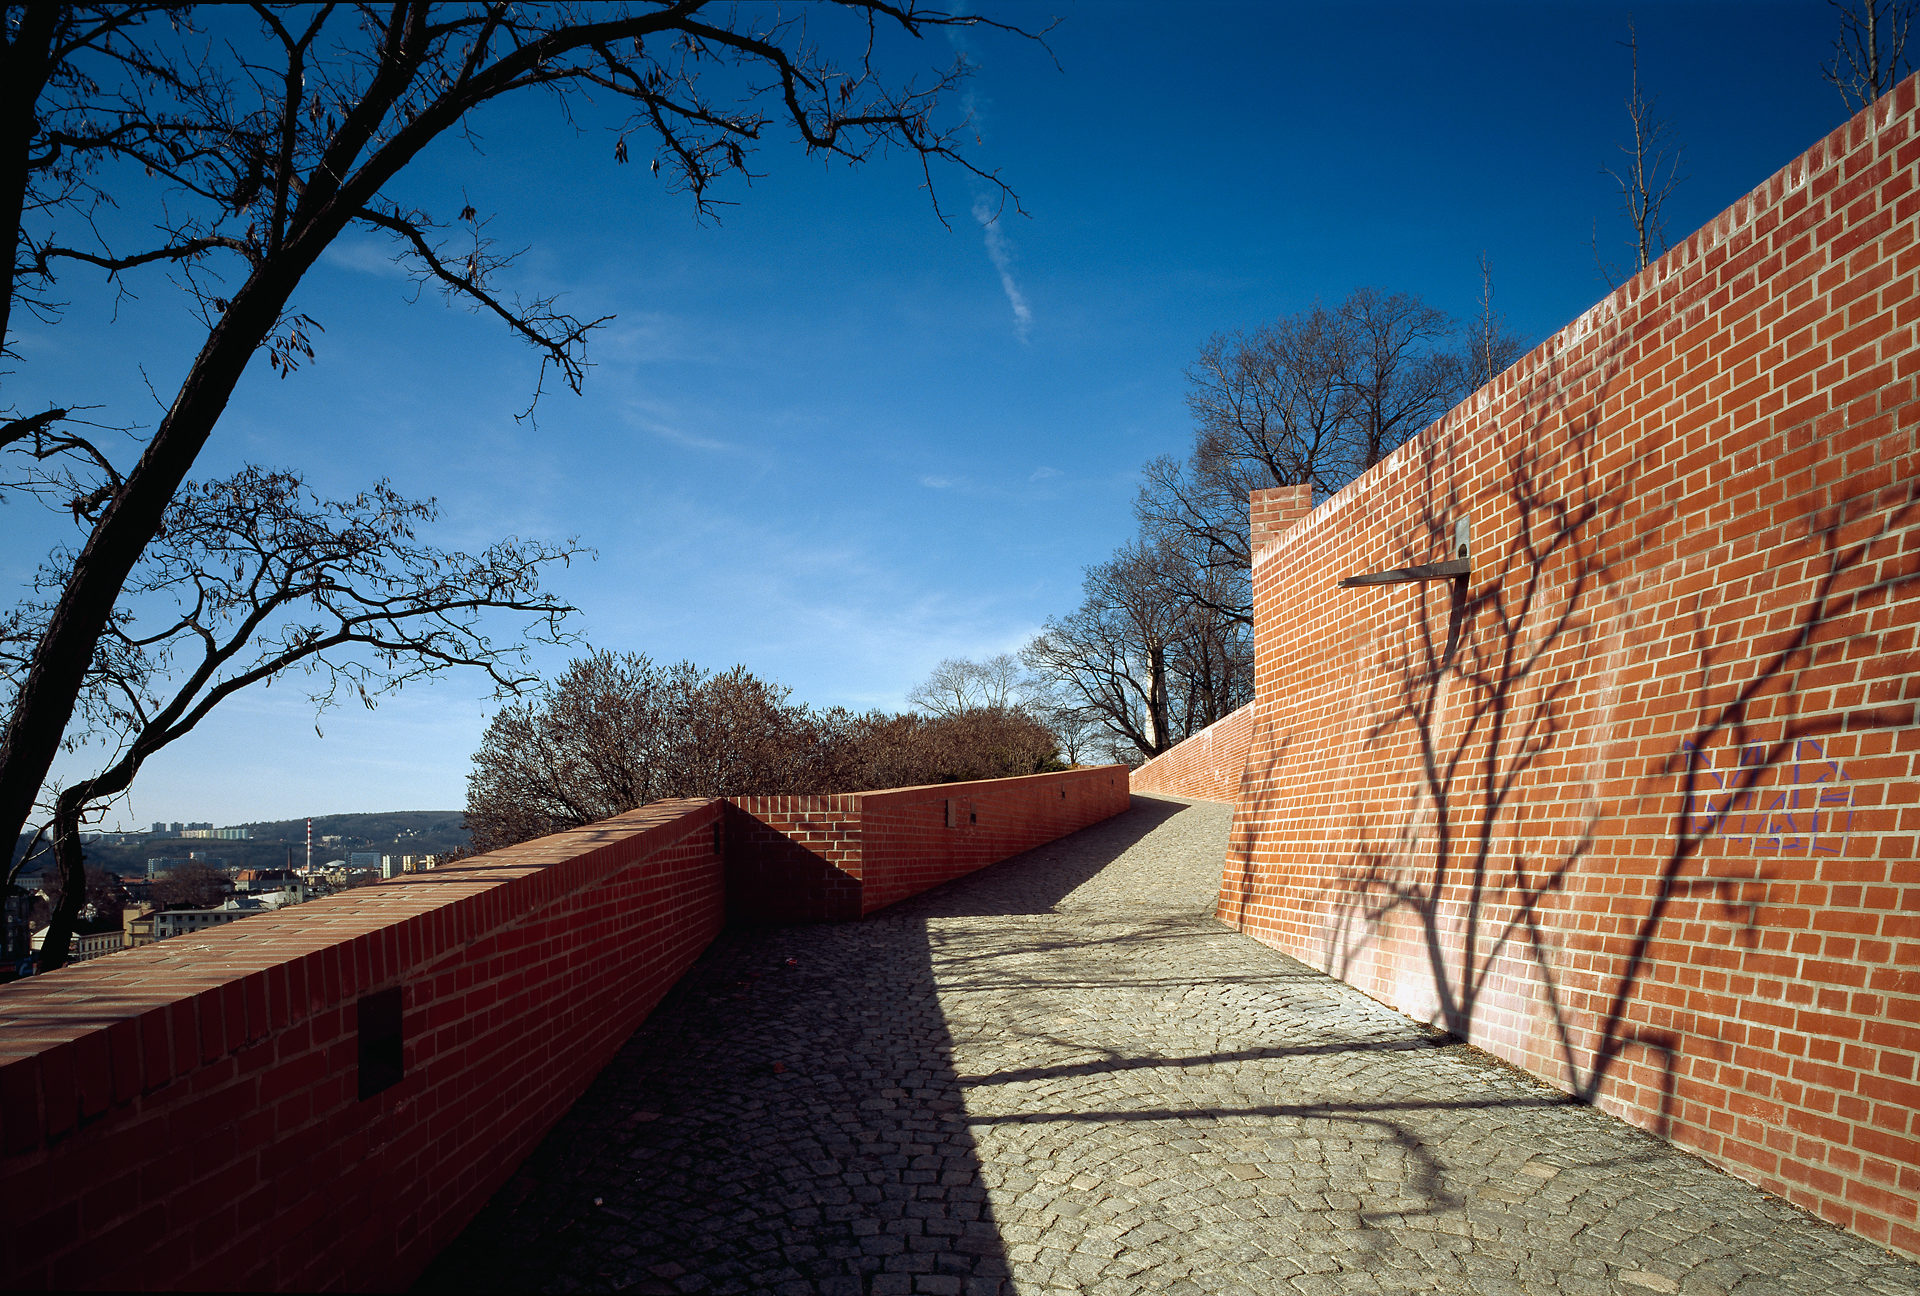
<point x="788" y="1120"/>
<point x="1061" y="1074"/>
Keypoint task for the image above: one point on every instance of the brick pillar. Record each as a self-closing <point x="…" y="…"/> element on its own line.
<point x="1271" y="512"/>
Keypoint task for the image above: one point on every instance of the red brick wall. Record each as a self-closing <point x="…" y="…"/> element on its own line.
<point x="793" y="859"/>
<point x="188" y="1114"/>
<point x="1635" y="805"/>
<point x="1207" y="766"/>
<point x="826" y="857"/>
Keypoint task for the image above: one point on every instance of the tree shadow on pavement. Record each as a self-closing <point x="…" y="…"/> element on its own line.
<point x="788" y="1120"/>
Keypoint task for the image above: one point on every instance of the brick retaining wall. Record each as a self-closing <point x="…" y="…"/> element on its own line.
<point x="1635" y="805"/>
<point x="1207" y="766"/>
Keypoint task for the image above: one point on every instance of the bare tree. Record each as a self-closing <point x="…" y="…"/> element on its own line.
<point x="252" y="577"/>
<point x="911" y="750"/>
<point x="1076" y="734"/>
<point x="1870" y="53"/>
<point x="1138" y="662"/>
<point x="1491" y="345"/>
<point x="260" y="149"/>
<point x="1314" y="399"/>
<point x="102" y="902"/>
<point x="1402" y="371"/>
<point x="959" y="685"/>
<point x="616" y="731"/>
<point x="195" y="884"/>
<point x="1649" y="175"/>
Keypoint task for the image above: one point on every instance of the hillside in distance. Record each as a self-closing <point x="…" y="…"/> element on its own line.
<point x="395" y="832"/>
<point x="276" y="843"/>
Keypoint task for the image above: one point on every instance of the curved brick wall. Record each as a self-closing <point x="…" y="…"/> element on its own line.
<point x="1207" y="766"/>
<point x="1636" y="805"/>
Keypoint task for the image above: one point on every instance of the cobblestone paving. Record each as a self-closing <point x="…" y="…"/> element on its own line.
<point x="1061" y="1074"/>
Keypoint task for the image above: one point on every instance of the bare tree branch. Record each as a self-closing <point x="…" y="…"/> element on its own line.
<point x="1870" y="53"/>
<point x="265" y="148"/>
<point x="1649" y="175"/>
<point x="252" y="578"/>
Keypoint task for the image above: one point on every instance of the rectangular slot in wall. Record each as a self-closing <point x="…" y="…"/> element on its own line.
<point x="382" y="1048"/>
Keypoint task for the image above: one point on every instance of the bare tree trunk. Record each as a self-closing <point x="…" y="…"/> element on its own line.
<point x="58" y="668"/>
<point x="23" y="75"/>
<point x="71" y="860"/>
<point x="1159" y="714"/>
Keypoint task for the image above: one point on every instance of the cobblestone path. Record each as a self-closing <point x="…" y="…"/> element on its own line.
<point x="1061" y="1074"/>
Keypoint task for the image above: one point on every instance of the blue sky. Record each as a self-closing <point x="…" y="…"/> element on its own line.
<point x="834" y="441"/>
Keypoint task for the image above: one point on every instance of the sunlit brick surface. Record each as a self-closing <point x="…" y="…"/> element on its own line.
<point x="1209" y="765"/>
<point x="827" y="857"/>
<point x="1635" y="807"/>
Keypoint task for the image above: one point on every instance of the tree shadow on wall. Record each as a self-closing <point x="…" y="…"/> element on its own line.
<point x="1526" y="705"/>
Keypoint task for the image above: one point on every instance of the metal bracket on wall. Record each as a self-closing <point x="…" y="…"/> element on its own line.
<point x="1454" y="568"/>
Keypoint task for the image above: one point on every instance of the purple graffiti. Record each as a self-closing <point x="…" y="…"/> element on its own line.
<point x="1802" y="807"/>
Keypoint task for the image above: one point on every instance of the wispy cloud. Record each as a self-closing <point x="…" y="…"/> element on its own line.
<point x="649" y="337"/>
<point x="1042" y="473"/>
<point x="365" y="255"/>
<point x="931" y="482"/>
<point x="658" y="419"/>
<point x="680" y="436"/>
<point x="1001" y="255"/>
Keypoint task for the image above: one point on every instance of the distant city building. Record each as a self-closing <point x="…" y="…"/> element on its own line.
<point x="218" y="834"/>
<point x="363" y="859"/>
<point x="158" y="866"/>
<point x="136" y="924"/>
<point x="266" y="881"/>
<point x="179" y="922"/>
<point x="84" y="947"/>
<point x="16" y="925"/>
<point x="95" y="944"/>
<point x="394" y="865"/>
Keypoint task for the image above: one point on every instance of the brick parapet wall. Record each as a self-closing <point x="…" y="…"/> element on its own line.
<point x="909" y="847"/>
<point x="1208" y="765"/>
<point x="189" y="1114"/>
<point x="1646" y="786"/>
<point x="793" y="859"/>
<point x="832" y="857"/>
